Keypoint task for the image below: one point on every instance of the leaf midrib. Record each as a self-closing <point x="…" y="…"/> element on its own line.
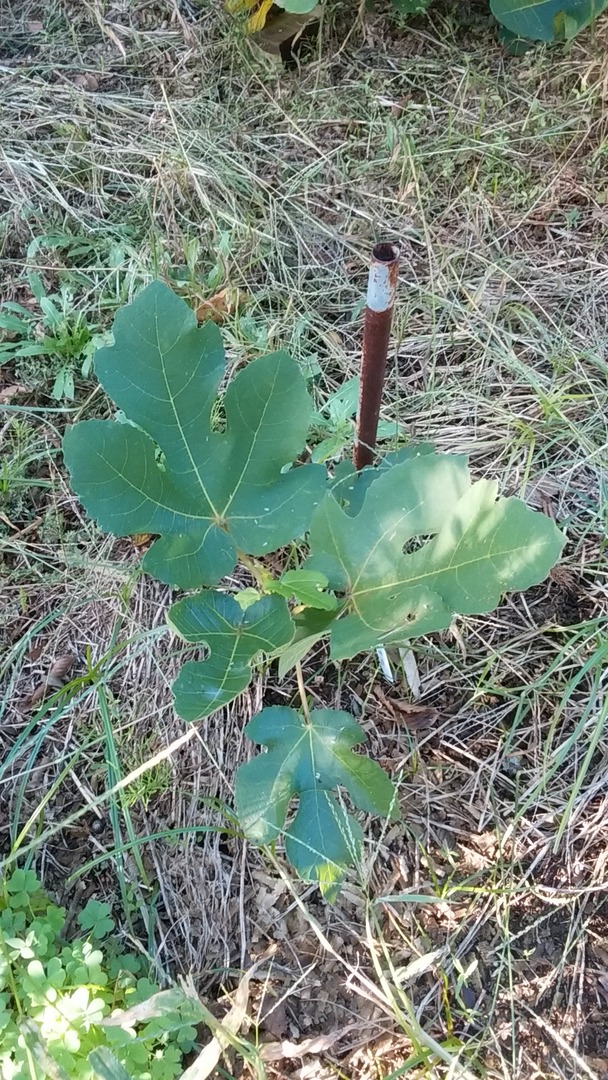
<point x="176" y="415"/>
<point x="228" y="658"/>
<point x="252" y="446"/>
<point x="433" y="573"/>
<point x="146" y="497"/>
<point x="217" y="514"/>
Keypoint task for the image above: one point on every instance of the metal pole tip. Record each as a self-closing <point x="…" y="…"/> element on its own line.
<point x="386" y="253"/>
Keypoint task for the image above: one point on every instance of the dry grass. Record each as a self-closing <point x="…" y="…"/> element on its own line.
<point x="139" y="138"/>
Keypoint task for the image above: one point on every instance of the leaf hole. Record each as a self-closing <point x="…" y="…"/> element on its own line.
<point x="415" y="543"/>
<point x="217" y="420"/>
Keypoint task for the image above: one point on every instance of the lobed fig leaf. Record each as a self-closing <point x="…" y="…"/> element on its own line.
<point x="547" y="20"/>
<point x="398" y="583"/>
<point x="234" y="637"/>
<point x="207" y="493"/>
<point x="307" y="761"/>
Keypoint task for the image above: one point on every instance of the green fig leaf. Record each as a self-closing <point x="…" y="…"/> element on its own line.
<point x="307" y="586"/>
<point x="307" y="761"/>
<point x="297" y="7"/>
<point x="234" y="638"/>
<point x="207" y="493"/>
<point x="312" y="625"/>
<point x="546" y="20"/>
<point x="425" y="545"/>
<point x="350" y="487"/>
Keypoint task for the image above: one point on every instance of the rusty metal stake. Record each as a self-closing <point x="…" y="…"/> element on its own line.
<point x="381" y="289"/>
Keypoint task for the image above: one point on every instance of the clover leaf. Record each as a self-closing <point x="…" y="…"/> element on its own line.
<point x="21" y="947"/>
<point x="55" y="995"/>
<point x="95" y="917"/>
<point x="170" y="471"/>
<point x="22" y="886"/>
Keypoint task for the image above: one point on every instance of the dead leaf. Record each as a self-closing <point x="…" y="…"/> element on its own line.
<point x="600" y="952"/>
<point x="86" y="81"/>
<point x="469" y="997"/>
<point x="599" y="1064"/>
<point x="9" y="392"/>
<point x="38" y="694"/>
<point x="54" y="680"/>
<point x="209" y="1056"/>
<point x="59" y="670"/>
<point x="318" y="1044"/>
<point x="257" y="20"/>
<point x="34" y="26"/>
<point x="283" y="28"/>
<point x="141" y="540"/>
<point x="406" y="712"/>
<point x="274" y="1017"/>
<point x="218" y="307"/>
<point x="416" y="716"/>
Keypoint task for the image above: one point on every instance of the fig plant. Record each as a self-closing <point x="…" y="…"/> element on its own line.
<point x="386" y="554"/>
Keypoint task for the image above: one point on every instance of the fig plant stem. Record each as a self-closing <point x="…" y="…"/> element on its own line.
<point x="302" y="689"/>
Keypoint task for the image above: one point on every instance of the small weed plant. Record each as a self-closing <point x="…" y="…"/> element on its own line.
<point x="77" y="1008"/>
<point x="384" y="555"/>
<point x="54" y="343"/>
<point x="332" y="427"/>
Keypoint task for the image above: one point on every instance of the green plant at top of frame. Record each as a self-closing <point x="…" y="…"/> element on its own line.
<point x="520" y="20"/>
